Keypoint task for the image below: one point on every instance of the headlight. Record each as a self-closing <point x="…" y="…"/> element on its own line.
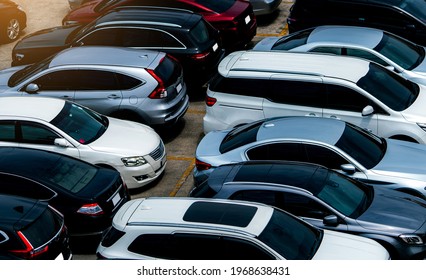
<point x="411" y="239"/>
<point x="422" y="126"/>
<point x="133" y="161"/>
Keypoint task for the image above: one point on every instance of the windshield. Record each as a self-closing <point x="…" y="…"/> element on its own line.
<point x="366" y="148"/>
<point x="29" y="71"/>
<point x="402" y="52"/>
<point x="240" y="136"/>
<point x="345" y="195"/>
<point x="292" y="41"/>
<point x="82" y="124"/>
<point x="290" y="237"/>
<point x="391" y="89"/>
<point x="415" y="7"/>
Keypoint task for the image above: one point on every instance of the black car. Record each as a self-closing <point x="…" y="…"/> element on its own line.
<point x="87" y="195"/>
<point x="12" y="21"/>
<point x="31" y="229"/>
<point x="327" y="199"/>
<point x="183" y="34"/>
<point x="406" y="18"/>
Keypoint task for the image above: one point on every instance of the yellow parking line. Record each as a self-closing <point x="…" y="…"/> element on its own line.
<point x="195" y="111"/>
<point x="283" y="32"/>
<point x="183" y="178"/>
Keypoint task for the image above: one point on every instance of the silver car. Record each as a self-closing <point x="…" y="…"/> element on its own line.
<point x="265" y="7"/>
<point x="329" y="142"/>
<point x="140" y="85"/>
<point x="395" y="53"/>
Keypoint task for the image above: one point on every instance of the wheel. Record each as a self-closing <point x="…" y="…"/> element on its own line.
<point x="11" y="30"/>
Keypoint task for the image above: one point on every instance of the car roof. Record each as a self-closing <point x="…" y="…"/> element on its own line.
<point x="323" y="130"/>
<point x="16" y="209"/>
<point x="42" y="108"/>
<point x="313" y="64"/>
<point x="103" y="55"/>
<point x="213" y="214"/>
<point x="154" y="16"/>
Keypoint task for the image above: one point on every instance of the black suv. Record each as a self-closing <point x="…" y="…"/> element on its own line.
<point x="185" y="35"/>
<point x="31" y="229"/>
<point x="406" y="18"/>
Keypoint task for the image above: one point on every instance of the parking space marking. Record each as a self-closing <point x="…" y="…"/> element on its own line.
<point x="185" y="174"/>
<point x="283" y="32"/>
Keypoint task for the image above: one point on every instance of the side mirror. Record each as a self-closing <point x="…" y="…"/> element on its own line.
<point x="61" y="142"/>
<point x="330" y="220"/>
<point x="367" y="111"/>
<point x="348" y="168"/>
<point x="32" y="88"/>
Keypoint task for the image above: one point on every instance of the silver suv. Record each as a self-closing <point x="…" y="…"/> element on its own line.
<point x="140" y="85"/>
<point x="252" y="85"/>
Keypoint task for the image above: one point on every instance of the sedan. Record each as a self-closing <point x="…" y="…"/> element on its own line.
<point x="52" y="124"/>
<point x="13" y="20"/>
<point x="326" y="199"/>
<point x="140" y="85"/>
<point x="87" y="195"/>
<point x="329" y="142"/>
<point x="396" y="53"/>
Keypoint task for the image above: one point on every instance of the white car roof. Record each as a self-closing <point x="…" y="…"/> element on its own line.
<point x="167" y="211"/>
<point x="314" y="64"/>
<point x="31" y="107"/>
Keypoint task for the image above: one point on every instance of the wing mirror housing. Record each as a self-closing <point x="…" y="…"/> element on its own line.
<point x="32" y="88"/>
<point x="330" y="220"/>
<point x="61" y="142"/>
<point x="348" y="168"/>
<point x="367" y="111"/>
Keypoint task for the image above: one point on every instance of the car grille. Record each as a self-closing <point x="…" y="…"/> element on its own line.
<point x="158" y="152"/>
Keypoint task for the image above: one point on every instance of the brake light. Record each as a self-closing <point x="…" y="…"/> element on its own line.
<point x="160" y="91"/>
<point x="210" y="101"/>
<point x="201" y="165"/>
<point x="28" y="252"/>
<point x="91" y="209"/>
<point x="200" y="56"/>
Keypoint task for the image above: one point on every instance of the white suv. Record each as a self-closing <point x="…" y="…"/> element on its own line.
<point x="252" y="85"/>
<point x="213" y="229"/>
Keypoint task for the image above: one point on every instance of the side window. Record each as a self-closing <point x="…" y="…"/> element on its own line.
<point x="277" y="151"/>
<point x="103" y="37"/>
<point x="296" y="93"/>
<point x="366" y="55"/>
<point x="324" y="156"/>
<point x="95" y="80"/>
<point x="16" y="185"/>
<point x="304" y="206"/>
<point x="148" y="38"/>
<point x="262" y="196"/>
<point x="331" y="50"/>
<point x="245" y="87"/>
<point x="59" y="80"/>
<point x="37" y="134"/>
<point x="126" y="82"/>
<point x="345" y="99"/>
<point x="7" y="131"/>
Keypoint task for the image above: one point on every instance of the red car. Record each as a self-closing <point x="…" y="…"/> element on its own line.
<point x="233" y="18"/>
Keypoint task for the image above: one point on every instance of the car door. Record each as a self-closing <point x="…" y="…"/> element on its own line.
<point x="296" y="97"/>
<point x="345" y="103"/>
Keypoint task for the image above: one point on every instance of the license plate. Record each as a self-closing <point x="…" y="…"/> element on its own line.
<point x="215" y="47"/>
<point x="116" y="199"/>
<point x="247" y="19"/>
<point x="179" y="87"/>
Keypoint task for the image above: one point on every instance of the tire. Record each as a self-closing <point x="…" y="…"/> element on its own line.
<point x="11" y="30"/>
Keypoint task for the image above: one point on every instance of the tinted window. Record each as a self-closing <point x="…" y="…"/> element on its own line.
<point x="103" y="37"/>
<point x="169" y="71"/>
<point x="126" y="82"/>
<point x="37" y="134"/>
<point x="345" y="99"/>
<point x="148" y="38"/>
<point x="366" y="55"/>
<point x="294" y="92"/>
<point x="262" y="196"/>
<point x="28" y="71"/>
<point x="239" y="86"/>
<point x="415" y="7"/>
<point x="59" y="80"/>
<point x="277" y="151"/>
<point x="7" y="131"/>
<point x="303" y="206"/>
<point x="16" y="185"/>
<point x="240" y="136"/>
<point x="324" y="156"/>
<point x="292" y="41"/>
<point x="200" y="32"/>
<point x="331" y="50"/>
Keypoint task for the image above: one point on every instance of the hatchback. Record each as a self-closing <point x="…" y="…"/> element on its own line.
<point x="12" y="22"/>
<point x="327" y="199"/>
<point x="87" y="195"/>
<point x="253" y="85"/>
<point x="212" y="229"/>
<point x="396" y="53"/>
<point x="52" y="124"/>
<point x="233" y="18"/>
<point x="139" y="85"/>
<point x="183" y="34"/>
<point x="406" y="18"/>
<point x="31" y="229"/>
<point x="329" y="142"/>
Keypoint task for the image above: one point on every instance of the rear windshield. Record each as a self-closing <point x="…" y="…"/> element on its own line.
<point x="169" y="71"/>
<point x="201" y="32"/>
<point x="217" y="6"/>
<point x="416" y="8"/>
<point x="240" y="136"/>
<point x="292" y="41"/>
<point x="44" y="228"/>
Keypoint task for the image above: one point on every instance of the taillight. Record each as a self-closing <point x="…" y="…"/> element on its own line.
<point x="29" y="252"/>
<point x="210" y="101"/>
<point x="201" y="165"/>
<point x="160" y="91"/>
<point x="200" y="56"/>
<point x="91" y="209"/>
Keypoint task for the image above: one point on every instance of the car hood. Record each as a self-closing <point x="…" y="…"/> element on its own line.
<point x="341" y="246"/>
<point x="403" y="159"/>
<point x="127" y="138"/>
<point x="266" y="44"/>
<point x="5" y="75"/>
<point x="385" y="211"/>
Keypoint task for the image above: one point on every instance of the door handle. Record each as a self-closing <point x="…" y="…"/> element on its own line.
<point x="66" y="97"/>
<point x="334" y="117"/>
<point x="113" y="96"/>
<point x="311" y="115"/>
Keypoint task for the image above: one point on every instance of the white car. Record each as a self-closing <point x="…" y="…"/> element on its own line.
<point x="253" y="85"/>
<point x="212" y="229"/>
<point x="133" y="149"/>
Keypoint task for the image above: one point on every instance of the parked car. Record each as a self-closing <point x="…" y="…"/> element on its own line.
<point x="182" y="34"/>
<point x="77" y="3"/>
<point x="13" y="20"/>
<point x="406" y="18"/>
<point x="394" y="52"/>
<point x="31" y="229"/>
<point x="52" y="124"/>
<point x="87" y="195"/>
<point x="332" y="143"/>
<point x="206" y="229"/>
<point x="252" y="85"/>
<point x="233" y="18"/>
<point x="326" y="199"/>
<point x="265" y="7"/>
<point x="139" y="85"/>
